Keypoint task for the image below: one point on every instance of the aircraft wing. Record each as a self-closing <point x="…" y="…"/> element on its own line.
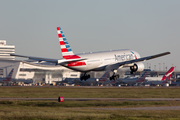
<point x="57" y="61"/>
<point x="117" y="65"/>
<point x="108" y="67"/>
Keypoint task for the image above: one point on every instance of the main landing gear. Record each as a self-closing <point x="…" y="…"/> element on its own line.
<point x="114" y="76"/>
<point x="84" y="77"/>
<point x="132" y="73"/>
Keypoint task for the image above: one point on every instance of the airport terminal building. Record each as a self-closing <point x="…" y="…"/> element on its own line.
<point x="37" y="72"/>
<point x="31" y="70"/>
<point x="5" y="50"/>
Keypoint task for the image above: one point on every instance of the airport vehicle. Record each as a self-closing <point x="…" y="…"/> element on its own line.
<point x="164" y="79"/>
<point x="8" y="78"/>
<point x="134" y="80"/>
<point x="96" y="61"/>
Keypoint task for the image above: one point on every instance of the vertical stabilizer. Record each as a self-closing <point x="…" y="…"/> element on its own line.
<point x="8" y="78"/>
<point x="144" y="75"/>
<point x="168" y="74"/>
<point x="10" y="74"/>
<point x="65" y="47"/>
<point x="105" y="76"/>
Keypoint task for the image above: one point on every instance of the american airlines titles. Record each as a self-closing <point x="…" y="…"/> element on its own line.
<point x="124" y="57"/>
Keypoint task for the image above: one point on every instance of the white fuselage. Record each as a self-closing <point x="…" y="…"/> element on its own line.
<point x="155" y="82"/>
<point x="153" y="78"/>
<point x="99" y="60"/>
<point x="4" y="80"/>
<point x="131" y="80"/>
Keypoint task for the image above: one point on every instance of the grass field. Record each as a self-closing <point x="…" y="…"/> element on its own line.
<point x="81" y="92"/>
<point x="75" y="110"/>
<point x="84" y="110"/>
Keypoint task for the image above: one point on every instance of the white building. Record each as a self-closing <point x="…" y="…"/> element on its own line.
<point x="6" y="50"/>
<point x="35" y="71"/>
<point x="31" y="70"/>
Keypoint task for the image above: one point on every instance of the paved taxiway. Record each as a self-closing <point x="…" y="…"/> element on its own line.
<point x="143" y="108"/>
<point x="108" y="99"/>
<point x="114" y="99"/>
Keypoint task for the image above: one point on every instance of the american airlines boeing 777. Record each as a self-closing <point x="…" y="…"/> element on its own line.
<point x="97" y="61"/>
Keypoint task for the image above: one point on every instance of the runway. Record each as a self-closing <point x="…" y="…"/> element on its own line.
<point x="143" y="108"/>
<point x="107" y="99"/>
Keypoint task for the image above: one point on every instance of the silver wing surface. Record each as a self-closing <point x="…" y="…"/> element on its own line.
<point x="117" y="65"/>
<point x="108" y="67"/>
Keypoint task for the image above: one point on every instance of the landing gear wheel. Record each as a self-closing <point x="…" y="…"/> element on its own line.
<point x="114" y="77"/>
<point x="132" y="72"/>
<point x="84" y="77"/>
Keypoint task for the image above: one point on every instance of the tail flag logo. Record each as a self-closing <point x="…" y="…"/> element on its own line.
<point x="169" y="73"/>
<point x="8" y="78"/>
<point x="66" y="50"/>
<point x="134" y="54"/>
<point x="65" y="47"/>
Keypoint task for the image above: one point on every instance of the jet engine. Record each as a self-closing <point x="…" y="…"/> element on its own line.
<point x="137" y="67"/>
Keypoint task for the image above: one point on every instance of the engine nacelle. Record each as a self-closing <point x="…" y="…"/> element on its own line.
<point x="137" y="67"/>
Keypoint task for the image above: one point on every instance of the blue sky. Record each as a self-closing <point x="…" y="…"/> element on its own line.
<point x="148" y="27"/>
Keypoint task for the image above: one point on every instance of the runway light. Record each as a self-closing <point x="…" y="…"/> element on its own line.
<point x="60" y="99"/>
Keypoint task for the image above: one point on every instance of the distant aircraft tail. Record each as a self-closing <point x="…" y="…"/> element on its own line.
<point x="143" y="76"/>
<point x="10" y="74"/>
<point x="8" y="78"/>
<point x="168" y="74"/>
<point x="65" y="47"/>
<point x="105" y="76"/>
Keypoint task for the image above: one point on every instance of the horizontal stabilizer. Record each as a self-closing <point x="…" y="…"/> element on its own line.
<point x="59" y="62"/>
<point x="37" y="58"/>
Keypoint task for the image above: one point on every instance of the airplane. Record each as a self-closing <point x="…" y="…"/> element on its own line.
<point x="101" y="80"/>
<point x="8" y="78"/>
<point x="164" y="79"/>
<point x="104" y="78"/>
<point x="96" y="61"/>
<point x="133" y="80"/>
<point x="70" y="80"/>
<point x="173" y="83"/>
